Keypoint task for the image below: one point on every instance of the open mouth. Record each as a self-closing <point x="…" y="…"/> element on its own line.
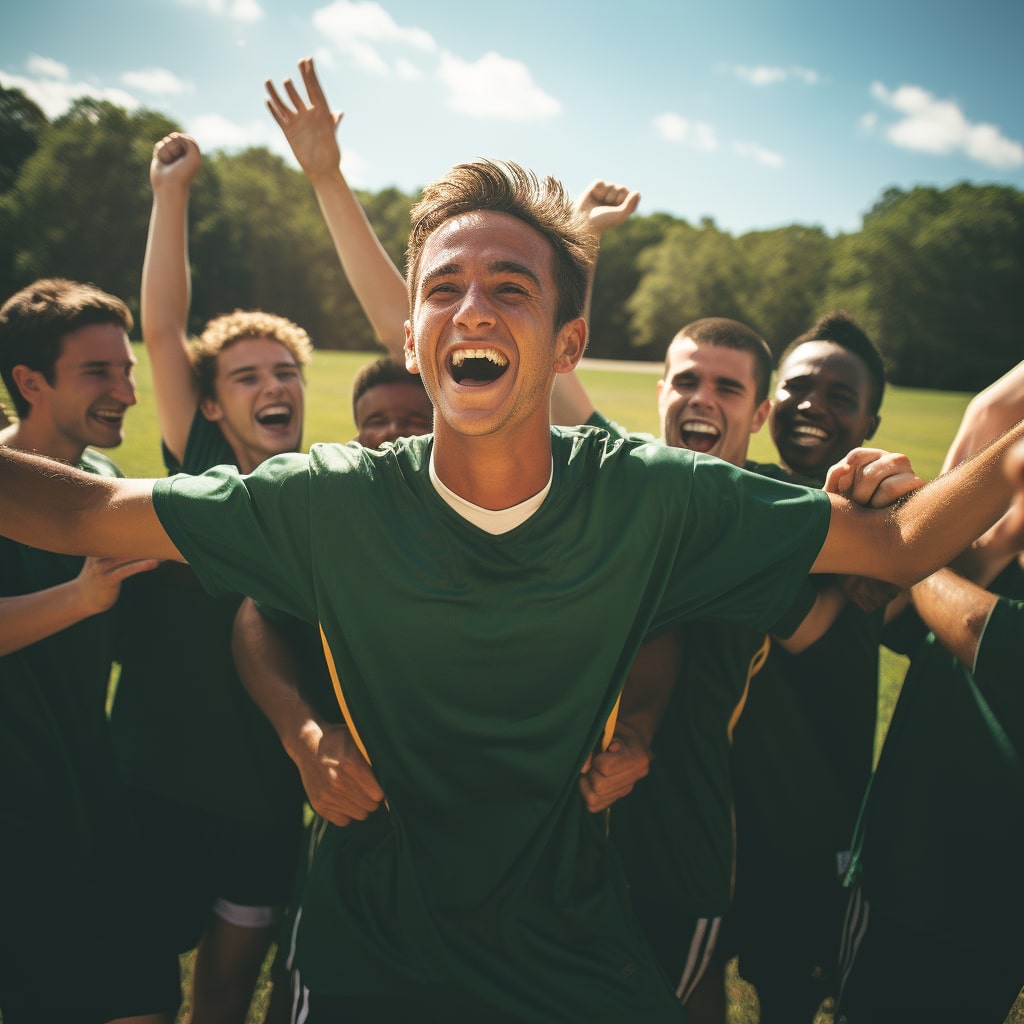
<point x="477" y="366"/>
<point x="274" y="416"/>
<point x="806" y="435"/>
<point x="699" y="436"/>
<point x="111" y="417"/>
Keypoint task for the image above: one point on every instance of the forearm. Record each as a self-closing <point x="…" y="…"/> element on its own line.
<point x="649" y="686"/>
<point x="907" y="542"/>
<point x="28" y="618"/>
<point x="956" y="611"/>
<point x="375" y="279"/>
<point x="48" y="505"/>
<point x="269" y="672"/>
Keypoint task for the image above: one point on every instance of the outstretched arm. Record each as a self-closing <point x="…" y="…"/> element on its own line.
<point x="907" y="542"/>
<point x="339" y="782"/>
<point x="49" y="505"/>
<point x="605" y="205"/>
<point x="310" y="127"/>
<point x="166" y="286"/>
<point x="27" y="618"/>
<point x="988" y="414"/>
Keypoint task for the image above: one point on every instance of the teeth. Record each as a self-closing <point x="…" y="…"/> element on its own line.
<point x="462" y="354"/>
<point x="809" y="431"/>
<point x="274" y="410"/>
<point x="106" y="414"/>
<point x="696" y="427"/>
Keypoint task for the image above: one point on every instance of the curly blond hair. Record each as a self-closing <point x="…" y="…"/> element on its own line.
<point x="223" y="331"/>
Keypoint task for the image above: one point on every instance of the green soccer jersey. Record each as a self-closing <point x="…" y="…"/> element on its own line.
<point x="59" y="800"/>
<point x="183" y="724"/>
<point x="939" y="839"/>
<point x="481" y="698"/>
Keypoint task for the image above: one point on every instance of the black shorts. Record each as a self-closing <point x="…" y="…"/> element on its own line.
<point x="200" y="857"/>
<point x="84" y="948"/>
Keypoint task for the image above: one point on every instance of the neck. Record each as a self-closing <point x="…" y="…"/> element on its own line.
<point x="496" y="471"/>
<point x="28" y="435"/>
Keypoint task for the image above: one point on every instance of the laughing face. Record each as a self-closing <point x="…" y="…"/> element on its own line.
<point x="483" y="334"/>
<point x="260" y="400"/>
<point x="822" y="407"/>
<point x="707" y="401"/>
<point x="93" y="387"/>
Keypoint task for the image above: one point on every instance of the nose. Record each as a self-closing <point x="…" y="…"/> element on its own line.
<point x="124" y="391"/>
<point x="475" y="310"/>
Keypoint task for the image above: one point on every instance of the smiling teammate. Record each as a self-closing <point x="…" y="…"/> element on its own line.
<point x="520" y="585"/>
<point x="74" y="938"/>
<point x="222" y="803"/>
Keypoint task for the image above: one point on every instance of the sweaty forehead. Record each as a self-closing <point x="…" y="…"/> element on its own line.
<point x="825" y="358"/>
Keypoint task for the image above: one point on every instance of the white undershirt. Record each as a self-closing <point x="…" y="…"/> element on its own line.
<point x="492" y="520"/>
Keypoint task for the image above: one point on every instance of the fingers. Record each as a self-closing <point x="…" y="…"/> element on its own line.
<point x="134" y="567"/>
<point x="294" y="96"/>
<point x="872" y="476"/>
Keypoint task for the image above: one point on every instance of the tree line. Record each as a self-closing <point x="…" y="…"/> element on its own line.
<point x="933" y="274"/>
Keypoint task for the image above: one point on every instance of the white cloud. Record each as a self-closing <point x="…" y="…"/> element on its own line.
<point x="869" y="121"/>
<point x="236" y="10"/>
<point x="359" y="29"/>
<point x="931" y="125"/>
<point x="495" y="86"/>
<point x="696" y="134"/>
<point x="212" y="131"/>
<point x="752" y="151"/>
<point x="45" y="67"/>
<point x="407" y="70"/>
<point x="158" y="81"/>
<point x="762" y="74"/>
<point x="55" y="95"/>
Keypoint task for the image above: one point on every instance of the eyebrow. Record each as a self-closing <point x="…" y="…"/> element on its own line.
<point x="282" y="364"/>
<point x="720" y="379"/>
<point x="497" y="267"/>
<point x="101" y="364"/>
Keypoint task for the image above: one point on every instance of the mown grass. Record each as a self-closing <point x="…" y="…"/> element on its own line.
<point x="918" y="422"/>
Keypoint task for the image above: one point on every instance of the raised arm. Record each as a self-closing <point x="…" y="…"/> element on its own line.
<point x="166" y="287"/>
<point x="605" y="205"/>
<point x="907" y="542"/>
<point x="50" y="505"/>
<point x="339" y="782"/>
<point x="988" y="415"/>
<point x="310" y="127"/>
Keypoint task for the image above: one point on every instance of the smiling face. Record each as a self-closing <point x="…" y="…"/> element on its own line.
<point x="259" y="400"/>
<point x="390" y="410"/>
<point x="707" y="401"/>
<point x="93" y="387"/>
<point x="822" y="407"/>
<point x="482" y="334"/>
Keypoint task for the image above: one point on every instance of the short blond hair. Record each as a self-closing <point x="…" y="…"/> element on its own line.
<point x="223" y="331"/>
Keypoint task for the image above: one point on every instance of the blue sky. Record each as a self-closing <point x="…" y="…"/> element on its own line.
<point x="755" y="114"/>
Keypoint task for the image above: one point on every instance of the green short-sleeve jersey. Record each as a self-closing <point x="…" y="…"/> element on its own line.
<point x="940" y="835"/>
<point x="480" y="700"/>
<point x="183" y="724"/>
<point x="59" y="803"/>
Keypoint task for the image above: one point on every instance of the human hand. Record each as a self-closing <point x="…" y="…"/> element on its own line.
<point x="99" y="581"/>
<point x="310" y="130"/>
<point x="611" y="774"/>
<point x="606" y="205"/>
<point x="873" y="477"/>
<point x="175" y="161"/>
<point x="338" y="780"/>
<point x="866" y="593"/>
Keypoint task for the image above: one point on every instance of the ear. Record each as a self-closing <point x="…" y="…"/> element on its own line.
<point x="211" y="409"/>
<point x="760" y="415"/>
<point x="874" y="423"/>
<point x="411" y="363"/>
<point x="570" y="345"/>
<point x="29" y="382"/>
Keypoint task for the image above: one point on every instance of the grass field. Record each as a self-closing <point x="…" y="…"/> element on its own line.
<point x="920" y="423"/>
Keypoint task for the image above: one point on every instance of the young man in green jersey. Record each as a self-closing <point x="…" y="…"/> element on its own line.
<point x="75" y="942"/>
<point x="932" y="930"/>
<point x="519" y="585"/>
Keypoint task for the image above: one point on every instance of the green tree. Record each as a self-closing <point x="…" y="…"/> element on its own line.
<point x="22" y="125"/>
<point x="80" y="208"/>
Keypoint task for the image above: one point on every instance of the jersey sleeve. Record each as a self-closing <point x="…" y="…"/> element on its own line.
<point x="246" y="534"/>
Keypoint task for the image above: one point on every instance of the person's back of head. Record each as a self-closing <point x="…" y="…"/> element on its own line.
<point x="505" y="187"/>
<point x="35" y="321"/>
